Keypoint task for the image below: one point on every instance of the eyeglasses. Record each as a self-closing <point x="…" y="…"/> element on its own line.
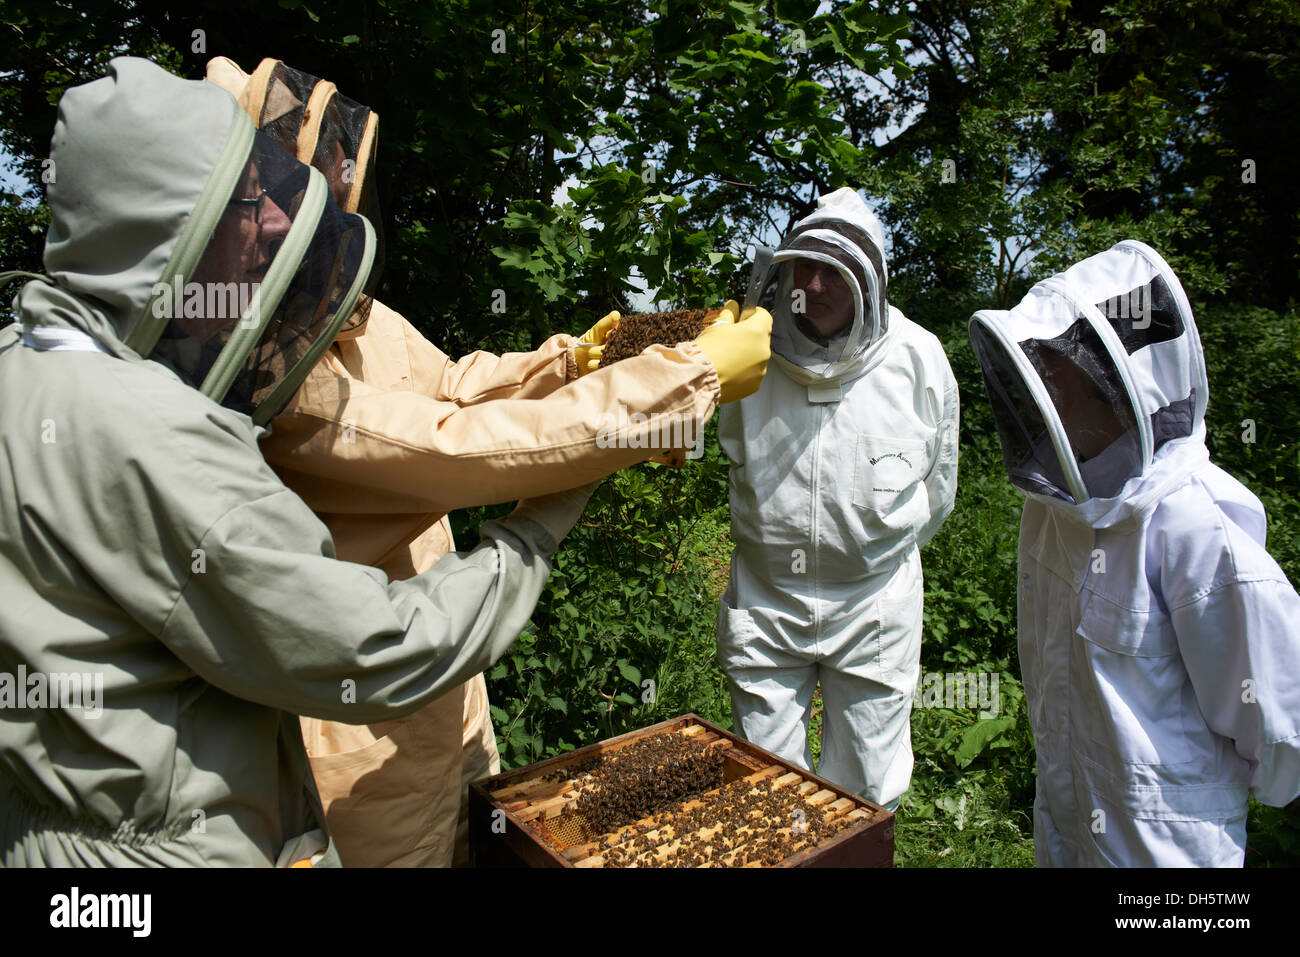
<point x="257" y="203"/>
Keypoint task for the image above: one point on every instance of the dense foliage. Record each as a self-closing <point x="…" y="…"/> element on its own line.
<point x="536" y="157"/>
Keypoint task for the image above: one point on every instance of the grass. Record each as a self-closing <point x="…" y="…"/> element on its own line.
<point x="949" y="818"/>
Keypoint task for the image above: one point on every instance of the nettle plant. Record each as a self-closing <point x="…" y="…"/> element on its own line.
<point x="623" y="635"/>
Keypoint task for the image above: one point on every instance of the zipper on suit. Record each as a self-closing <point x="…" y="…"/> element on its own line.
<point x="816" y="543"/>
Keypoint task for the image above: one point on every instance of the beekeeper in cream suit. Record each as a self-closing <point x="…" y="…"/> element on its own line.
<point x="844" y="463"/>
<point x="1159" y="641"/>
<point x="388" y="434"/>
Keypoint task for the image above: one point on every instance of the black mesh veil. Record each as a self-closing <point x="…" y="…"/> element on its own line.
<point x="1027" y="451"/>
<point x="282" y="105"/>
<point x="1089" y="400"/>
<point x="305" y="318"/>
<point x="1093" y="405"/>
<point x="346" y="144"/>
<point x="225" y="289"/>
<point x="266" y="294"/>
<point x="338" y="136"/>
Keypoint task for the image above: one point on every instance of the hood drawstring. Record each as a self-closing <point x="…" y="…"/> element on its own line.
<point x="50" y="338"/>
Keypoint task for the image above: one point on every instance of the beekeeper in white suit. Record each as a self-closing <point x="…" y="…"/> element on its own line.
<point x="843" y="464"/>
<point x="1158" y="639"/>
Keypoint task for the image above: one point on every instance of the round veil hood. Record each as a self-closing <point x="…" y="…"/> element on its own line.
<point x="843" y="234"/>
<point x="311" y="119"/>
<point x="181" y="235"/>
<point x="324" y="129"/>
<point x="1098" y="384"/>
<point x="133" y="155"/>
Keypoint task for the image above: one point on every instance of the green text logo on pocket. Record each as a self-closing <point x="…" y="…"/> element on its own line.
<point x="887" y="466"/>
<point x="896" y="475"/>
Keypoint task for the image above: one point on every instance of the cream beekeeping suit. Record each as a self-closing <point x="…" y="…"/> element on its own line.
<point x="844" y="463"/>
<point x="386" y="437"/>
<point x="1158" y="639"/>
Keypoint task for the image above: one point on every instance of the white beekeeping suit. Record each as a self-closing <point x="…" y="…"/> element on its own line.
<point x="843" y="464"/>
<point x="1158" y="639"/>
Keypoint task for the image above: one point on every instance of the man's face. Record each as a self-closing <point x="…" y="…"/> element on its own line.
<point x="338" y="188"/>
<point x="1090" y="420"/>
<point x="240" y="251"/>
<point x="829" y="299"/>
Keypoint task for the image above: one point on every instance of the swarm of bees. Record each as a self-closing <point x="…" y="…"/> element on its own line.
<point x="742" y="823"/>
<point x="645" y="777"/>
<point x="639" y="332"/>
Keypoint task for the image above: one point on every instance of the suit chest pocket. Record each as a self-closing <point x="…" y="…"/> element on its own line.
<point x="885" y="468"/>
<point x="1132" y="699"/>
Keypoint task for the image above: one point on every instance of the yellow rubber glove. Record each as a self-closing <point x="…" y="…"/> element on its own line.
<point x="588" y="355"/>
<point x="739" y="350"/>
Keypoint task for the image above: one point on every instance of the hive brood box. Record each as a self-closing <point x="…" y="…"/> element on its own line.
<point x="638" y="332"/>
<point x="764" y="812"/>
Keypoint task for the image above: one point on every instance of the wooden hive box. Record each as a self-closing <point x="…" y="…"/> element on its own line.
<point x="530" y="817"/>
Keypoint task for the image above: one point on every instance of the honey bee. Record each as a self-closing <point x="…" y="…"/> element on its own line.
<point x="638" y="332"/>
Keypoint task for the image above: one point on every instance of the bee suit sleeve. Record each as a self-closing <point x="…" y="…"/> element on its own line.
<point x="483" y="376"/>
<point x="270" y="616"/>
<point x="1235" y="615"/>
<point x="398" y="444"/>
<point x="941" y="480"/>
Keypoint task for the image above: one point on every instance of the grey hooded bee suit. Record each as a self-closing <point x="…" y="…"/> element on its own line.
<point x="144" y="541"/>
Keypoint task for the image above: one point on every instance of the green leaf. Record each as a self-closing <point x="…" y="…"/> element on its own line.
<point x="978" y="736"/>
<point x="954" y="804"/>
<point x="626" y="670"/>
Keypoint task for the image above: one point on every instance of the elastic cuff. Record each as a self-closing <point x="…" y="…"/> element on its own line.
<point x="570" y="359"/>
<point x="525" y="527"/>
<point x="711" y="381"/>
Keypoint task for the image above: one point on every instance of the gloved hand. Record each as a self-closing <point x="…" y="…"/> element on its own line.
<point x="739" y="349"/>
<point x="558" y="512"/>
<point x="588" y="356"/>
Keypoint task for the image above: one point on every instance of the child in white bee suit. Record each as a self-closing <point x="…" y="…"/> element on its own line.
<point x="1159" y="641"/>
<point x="844" y="463"/>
